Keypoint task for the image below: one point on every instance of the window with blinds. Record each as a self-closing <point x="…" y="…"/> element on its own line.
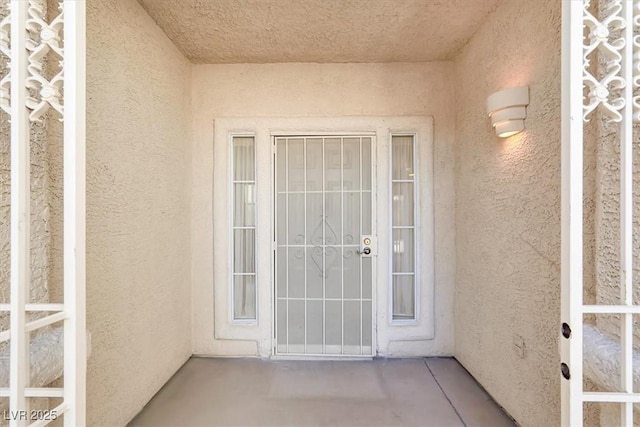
<point x="403" y="227"/>
<point x="243" y="241"/>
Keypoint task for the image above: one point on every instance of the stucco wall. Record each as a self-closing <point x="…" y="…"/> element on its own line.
<point x="508" y="213"/>
<point x="320" y="90"/>
<point x="138" y="175"/>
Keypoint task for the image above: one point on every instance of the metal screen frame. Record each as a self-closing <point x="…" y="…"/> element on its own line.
<point x="341" y="135"/>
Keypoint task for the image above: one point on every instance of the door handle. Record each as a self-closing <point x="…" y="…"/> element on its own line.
<point x="365" y="251"/>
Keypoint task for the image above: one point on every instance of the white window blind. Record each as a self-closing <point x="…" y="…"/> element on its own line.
<point x="403" y="265"/>
<point x="244" y="228"/>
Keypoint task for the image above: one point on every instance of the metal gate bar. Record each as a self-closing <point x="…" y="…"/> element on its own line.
<point x="612" y="95"/>
<point x="26" y="37"/>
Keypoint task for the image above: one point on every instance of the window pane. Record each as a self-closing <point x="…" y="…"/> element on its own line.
<point x="351" y="272"/>
<point x="332" y="164"/>
<point x="243" y="158"/>
<point x="296" y="269"/>
<point x="244" y="201"/>
<point x="403" y="250"/>
<point x="295" y="159"/>
<point x="403" y="227"/>
<point x="366" y="163"/>
<point x="366" y="323"/>
<point x="315" y="327"/>
<point x="282" y="219"/>
<point x="403" y="297"/>
<point x="296" y="324"/>
<point x="351" y="218"/>
<point x="352" y="319"/>
<point x="282" y="273"/>
<point x="295" y="219"/>
<point x="244" y="297"/>
<point x="314" y="164"/>
<point x="244" y="251"/>
<point x="244" y="219"/>
<point x="403" y="203"/>
<point x="333" y="326"/>
<point x="402" y="155"/>
<point x="282" y="161"/>
<point x="351" y="163"/>
<point x="366" y="212"/>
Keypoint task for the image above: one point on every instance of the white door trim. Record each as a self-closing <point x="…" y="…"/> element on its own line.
<point x="217" y="335"/>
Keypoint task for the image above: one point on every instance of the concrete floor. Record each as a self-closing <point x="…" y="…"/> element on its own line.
<point x="382" y="392"/>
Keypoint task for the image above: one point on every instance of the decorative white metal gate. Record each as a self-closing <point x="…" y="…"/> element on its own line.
<point x="28" y="39"/>
<point x="324" y="296"/>
<point x="600" y="78"/>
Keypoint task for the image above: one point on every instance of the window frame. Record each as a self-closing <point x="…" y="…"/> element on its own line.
<point x="416" y="237"/>
<point x="231" y="182"/>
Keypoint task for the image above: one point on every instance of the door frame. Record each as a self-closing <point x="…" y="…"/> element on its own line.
<point x="374" y="232"/>
<point x="214" y="332"/>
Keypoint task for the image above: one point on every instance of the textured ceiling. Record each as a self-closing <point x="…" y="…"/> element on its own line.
<point x="235" y="31"/>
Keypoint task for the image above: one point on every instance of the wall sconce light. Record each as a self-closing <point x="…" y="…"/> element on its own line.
<point x="508" y="109"/>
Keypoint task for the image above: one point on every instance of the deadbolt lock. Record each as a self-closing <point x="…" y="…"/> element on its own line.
<point x="367" y="246"/>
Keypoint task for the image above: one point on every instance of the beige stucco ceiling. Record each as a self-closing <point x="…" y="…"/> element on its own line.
<point x="234" y="31"/>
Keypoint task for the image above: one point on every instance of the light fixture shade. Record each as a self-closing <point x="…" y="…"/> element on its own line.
<point x="509" y="127"/>
<point x="507" y="110"/>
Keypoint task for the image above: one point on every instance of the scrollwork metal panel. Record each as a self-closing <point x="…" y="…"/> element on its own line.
<point x="603" y="77"/>
<point x="44" y="45"/>
<point x="604" y="42"/>
<point x="5" y="55"/>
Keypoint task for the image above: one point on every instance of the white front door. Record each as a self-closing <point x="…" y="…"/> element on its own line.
<point x="324" y="247"/>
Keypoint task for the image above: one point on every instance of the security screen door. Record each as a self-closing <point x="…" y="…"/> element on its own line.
<point x="323" y="258"/>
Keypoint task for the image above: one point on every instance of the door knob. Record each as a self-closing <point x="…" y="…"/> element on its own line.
<point x="365" y="251"/>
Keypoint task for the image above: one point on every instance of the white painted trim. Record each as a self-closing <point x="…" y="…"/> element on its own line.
<point x="611" y="309"/>
<point x="75" y="331"/>
<point x="571" y="215"/>
<point x="36" y="324"/>
<point x="374" y="232"/>
<point x="626" y="398"/>
<point x="272" y="234"/>
<point x="20" y="214"/>
<point x="35" y="307"/>
<point x="36" y="392"/>
<point x="219" y="336"/>
<point x="626" y="215"/>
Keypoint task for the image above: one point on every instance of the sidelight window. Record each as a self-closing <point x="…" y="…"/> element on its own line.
<point x="403" y="227"/>
<point x="243" y="205"/>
